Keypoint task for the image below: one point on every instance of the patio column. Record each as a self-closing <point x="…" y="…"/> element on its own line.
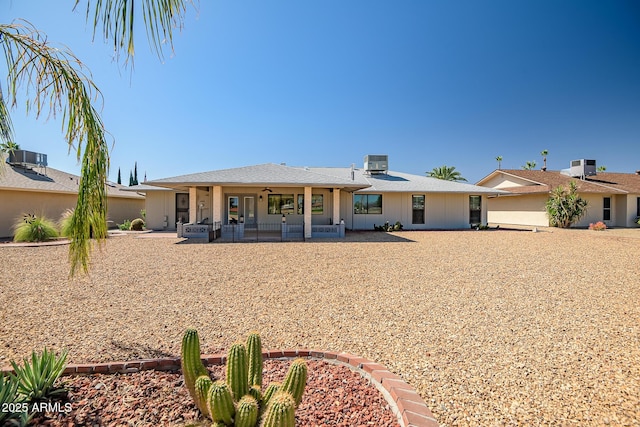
<point x="193" y="205"/>
<point x="336" y="206"/>
<point x="218" y="204"/>
<point x="307" y="212"/>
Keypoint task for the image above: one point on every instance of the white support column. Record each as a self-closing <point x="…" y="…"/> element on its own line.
<point x="307" y="212"/>
<point x="218" y="204"/>
<point x="336" y="206"/>
<point x="193" y="205"/>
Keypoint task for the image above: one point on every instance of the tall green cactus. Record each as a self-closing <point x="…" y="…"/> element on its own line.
<point x="246" y="412"/>
<point x="254" y="352"/>
<point x="202" y="386"/>
<point x="271" y="390"/>
<point x="280" y="412"/>
<point x="220" y="403"/>
<point x="237" y="367"/>
<point x="296" y="380"/>
<point x="192" y="366"/>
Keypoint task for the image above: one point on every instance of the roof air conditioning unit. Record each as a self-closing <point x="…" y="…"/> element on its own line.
<point x="375" y="164"/>
<point x="582" y="168"/>
<point x="27" y="158"/>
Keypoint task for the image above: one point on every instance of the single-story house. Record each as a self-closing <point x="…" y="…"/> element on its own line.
<point x="273" y="193"/>
<point x="27" y="187"/>
<point x="613" y="198"/>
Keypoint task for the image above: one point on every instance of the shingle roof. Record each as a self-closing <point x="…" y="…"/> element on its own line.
<point x="545" y="181"/>
<point x="266" y="174"/>
<point x="400" y="182"/>
<point x="17" y="178"/>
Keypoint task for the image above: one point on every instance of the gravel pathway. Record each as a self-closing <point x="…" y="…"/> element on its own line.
<point x="491" y="327"/>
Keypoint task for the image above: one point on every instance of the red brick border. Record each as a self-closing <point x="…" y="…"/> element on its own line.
<point x="412" y="411"/>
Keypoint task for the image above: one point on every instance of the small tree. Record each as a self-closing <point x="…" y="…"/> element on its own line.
<point x="565" y="206"/>
<point x="448" y="173"/>
<point x="119" y="177"/>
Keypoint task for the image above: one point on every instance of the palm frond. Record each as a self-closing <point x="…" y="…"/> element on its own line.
<point x="55" y="82"/>
<point x="116" y="19"/>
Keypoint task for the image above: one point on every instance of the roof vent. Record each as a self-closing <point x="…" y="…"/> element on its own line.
<point x="582" y="168"/>
<point x="27" y="158"/>
<point x="376" y="163"/>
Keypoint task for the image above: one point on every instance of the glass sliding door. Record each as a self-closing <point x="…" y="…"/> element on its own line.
<point x="249" y="210"/>
<point x="232" y="209"/>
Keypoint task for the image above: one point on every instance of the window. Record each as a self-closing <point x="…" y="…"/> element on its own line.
<point x="606" y="209"/>
<point x="280" y="204"/>
<point x="367" y="204"/>
<point x="475" y="209"/>
<point x="417" y="203"/>
<point x="317" y="204"/>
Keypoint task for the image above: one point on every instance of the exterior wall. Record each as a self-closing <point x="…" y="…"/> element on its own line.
<point x="518" y="210"/>
<point x="52" y="205"/>
<point x="442" y="211"/>
<point x="630" y="210"/>
<point x="505" y="181"/>
<point x="161" y="210"/>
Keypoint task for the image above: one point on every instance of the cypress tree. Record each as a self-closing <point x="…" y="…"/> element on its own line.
<point x="119" y="177"/>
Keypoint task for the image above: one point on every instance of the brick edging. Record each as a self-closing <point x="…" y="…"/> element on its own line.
<point x="412" y="410"/>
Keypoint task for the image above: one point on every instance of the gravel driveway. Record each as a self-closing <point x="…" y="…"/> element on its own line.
<point x="500" y="327"/>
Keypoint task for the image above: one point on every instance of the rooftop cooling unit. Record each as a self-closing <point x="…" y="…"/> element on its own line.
<point x="27" y="158"/>
<point x="582" y="168"/>
<point x="375" y="164"/>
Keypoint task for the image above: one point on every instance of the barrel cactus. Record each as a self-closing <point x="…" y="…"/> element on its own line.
<point x="239" y="400"/>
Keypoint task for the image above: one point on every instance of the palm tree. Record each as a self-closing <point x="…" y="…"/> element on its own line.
<point x="601" y="168"/>
<point x="529" y="166"/>
<point x="8" y="147"/>
<point x="447" y="173"/>
<point x="544" y="159"/>
<point x="499" y="160"/>
<point x="60" y="83"/>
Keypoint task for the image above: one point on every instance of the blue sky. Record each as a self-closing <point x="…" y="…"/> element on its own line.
<point x="323" y="83"/>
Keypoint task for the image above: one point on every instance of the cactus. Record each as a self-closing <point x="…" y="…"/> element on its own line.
<point x="192" y="366"/>
<point x="296" y="380"/>
<point x="220" y="403"/>
<point x="269" y="393"/>
<point x="202" y="386"/>
<point x="254" y="352"/>
<point x="247" y="412"/>
<point x="281" y="411"/>
<point x="237" y="371"/>
<point x="256" y="392"/>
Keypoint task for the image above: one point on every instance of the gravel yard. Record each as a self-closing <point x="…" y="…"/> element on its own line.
<point x="492" y="328"/>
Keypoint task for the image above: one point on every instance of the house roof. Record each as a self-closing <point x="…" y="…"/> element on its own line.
<point x="268" y="174"/>
<point x="544" y="181"/>
<point x="50" y="180"/>
<point x="274" y="175"/>
<point x="400" y="182"/>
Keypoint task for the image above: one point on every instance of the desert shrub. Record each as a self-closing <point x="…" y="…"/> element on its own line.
<point x="137" y="224"/>
<point x="65" y="223"/>
<point x="565" y="206"/>
<point x="31" y="228"/>
<point x="126" y="225"/>
<point x="36" y="378"/>
<point x="598" y="226"/>
<point x="388" y="227"/>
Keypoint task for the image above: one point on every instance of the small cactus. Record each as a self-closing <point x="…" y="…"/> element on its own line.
<point x="220" y="403"/>
<point x="296" y="380"/>
<point x="271" y="390"/>
<point x="202" y="386"/>
<point x="237" y="367"/>
<point x="256" y="392"/>
<point x="254" y="352"/>
<point x="192" y="366"/>
<point x="281" y="411"/>
<point x="247" y="412"/>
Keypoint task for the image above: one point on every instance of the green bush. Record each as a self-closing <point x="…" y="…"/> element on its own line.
<point x="65" y="223"/>
<point x="9" y="400"/>
<point x="137" y="224"/>
<point x="126" y="225"/>
<point x="36" y="378"/>
<point x="31" y="228"/>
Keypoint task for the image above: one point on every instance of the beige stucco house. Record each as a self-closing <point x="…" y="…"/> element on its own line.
<point x="41" y="190"/>
<point x="613" y="198"/>
<point x="269" y="194"/>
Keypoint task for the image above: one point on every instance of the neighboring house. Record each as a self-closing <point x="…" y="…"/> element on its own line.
<point x="35" y="188"/>
<point x="271" y="193"/>
<point x="613" y="198"/>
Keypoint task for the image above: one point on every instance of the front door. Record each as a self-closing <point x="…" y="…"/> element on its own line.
<point x="182" y="207"/>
